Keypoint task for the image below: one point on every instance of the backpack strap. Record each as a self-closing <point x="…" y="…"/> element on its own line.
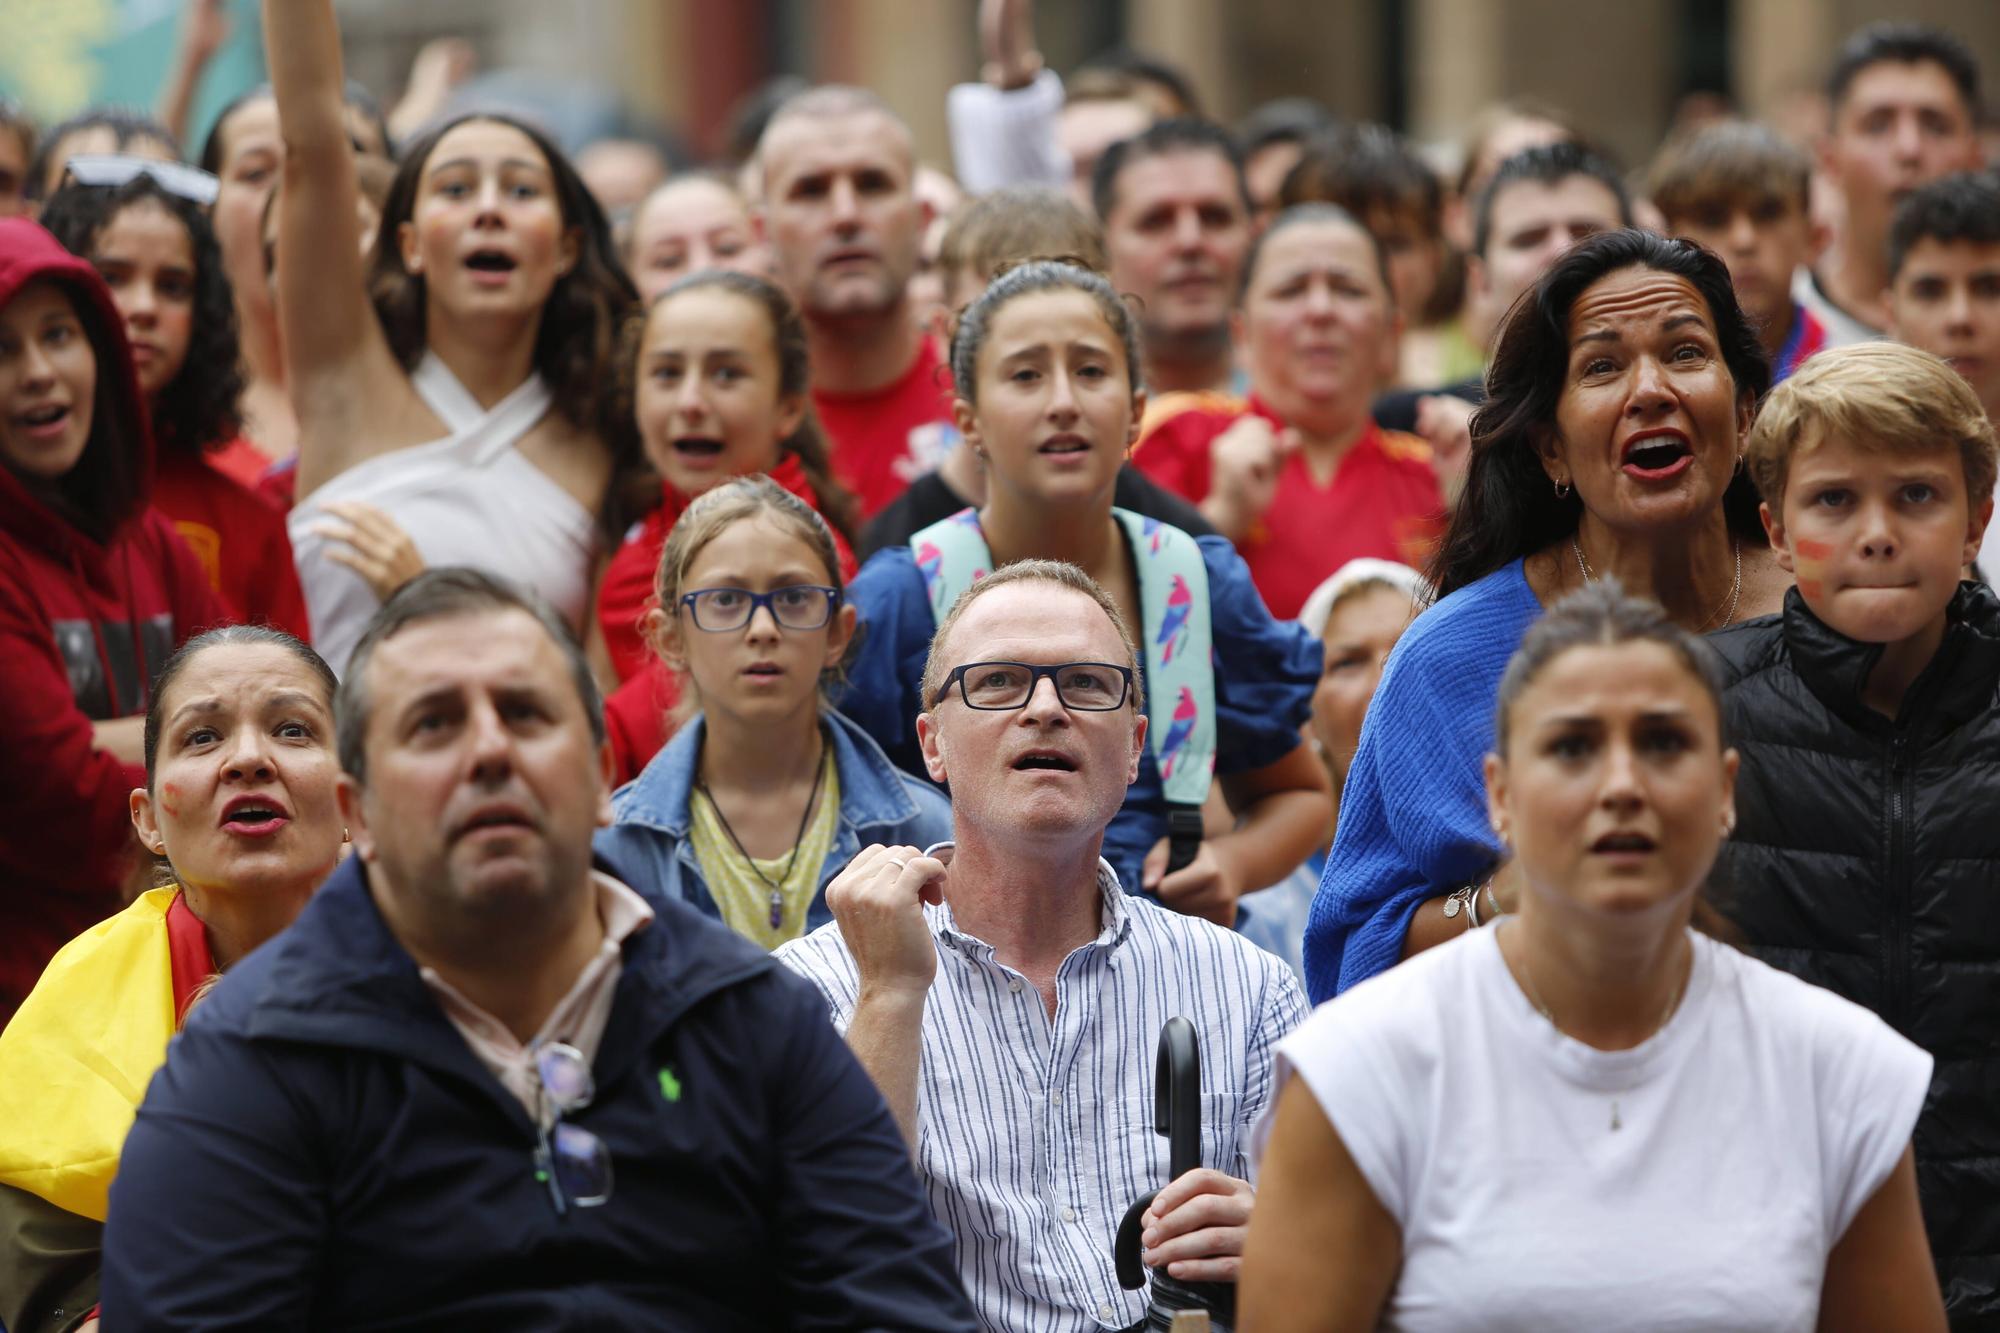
<point x="1178" y="642"/>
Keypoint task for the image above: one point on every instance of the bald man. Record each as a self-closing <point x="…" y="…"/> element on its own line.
<point x="845" y="227"/>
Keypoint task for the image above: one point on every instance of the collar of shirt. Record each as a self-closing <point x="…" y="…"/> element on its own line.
<point x="1115" y="920"/>
<point x="578" y="1018"/>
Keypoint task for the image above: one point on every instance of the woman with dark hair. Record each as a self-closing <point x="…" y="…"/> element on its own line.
<point x="467" y="405"/>
<point x="1610" y="443"/>
<point x="238" y="806"/>
<point x="245" y="153"/>
<point x="96" y="590"/>
<point x="156" y="252"/>
<point x="1594" y="1115"/>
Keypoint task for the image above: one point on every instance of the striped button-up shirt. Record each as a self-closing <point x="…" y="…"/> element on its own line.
<point x="1035" y="1134"/>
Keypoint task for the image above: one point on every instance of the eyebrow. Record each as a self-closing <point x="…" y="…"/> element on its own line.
<point x="514" y="163"/>
<point x="213" y="704"/>
<point x="1592" y="719"/>
<point x="1679" y="321"/>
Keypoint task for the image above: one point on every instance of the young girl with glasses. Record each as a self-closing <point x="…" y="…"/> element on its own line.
<point x="716" y="378"/>
<point x="1046" y="368"/>
<point x="767" y="793"/>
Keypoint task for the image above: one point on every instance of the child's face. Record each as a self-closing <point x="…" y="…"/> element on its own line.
<point x="48" y="383"/>
<point x="1763" y="240"/>
<point x="1946" y="300"/>
<point x="1877" y="540"/>
<point x="711" y="403"/>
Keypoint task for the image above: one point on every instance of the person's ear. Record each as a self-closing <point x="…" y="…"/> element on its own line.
<point x="791" y="411"/>
<point x="1475" y="279"/>
<point x="1746" y="417"/>
<point x="1731" y="762"/>
<point x="1138" y="421"/>
<point x="760" y="226"/>
<point x="347" y="795"/>
<point x="572" y="250"/>
<point x="1975" y="531"/>
<point x="406" y="246"/>
<point x="839" y="634"/>
<point x="1495" y="769"/>
<point x="1139" y="724"/>
<point x="145" y="821"/>
<point x="607" y="781"/>
<point x="1774" y="532"/>
<point x="1548" y="448"/>
<point x="663" y="632"/>
<point x="966" y="417"/>
<point x="930" y="743"/>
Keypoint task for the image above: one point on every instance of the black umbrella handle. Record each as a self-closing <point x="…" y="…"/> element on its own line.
<point x="1177" y="1096"/>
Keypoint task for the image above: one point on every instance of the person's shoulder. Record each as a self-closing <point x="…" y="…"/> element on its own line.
<point x="1188" y="418"/>
<point x="1161" y="930"/>
<point x="1404" y="1006"/>
<point x="1798" y="1015"/>
<point x="1404" y="451"/>
<point x="1750" y="647"/>
<point x="1483" y="620"/>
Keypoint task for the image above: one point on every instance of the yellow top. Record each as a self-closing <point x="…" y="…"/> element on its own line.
<point x="745" y="900"/>
<point x="76" y="1058"/>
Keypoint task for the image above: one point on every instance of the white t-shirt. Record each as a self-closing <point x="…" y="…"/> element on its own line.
<point x="1752" y="1129"/>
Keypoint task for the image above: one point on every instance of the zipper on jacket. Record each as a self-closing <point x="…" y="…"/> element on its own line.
<point x="1897" y="936"/>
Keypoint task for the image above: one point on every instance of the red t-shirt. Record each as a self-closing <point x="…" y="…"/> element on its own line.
<point x="885" y="440"/>
<point x="239" y="538"/>
<point x="241" y="461"/>
<point x="1383" y="499"/>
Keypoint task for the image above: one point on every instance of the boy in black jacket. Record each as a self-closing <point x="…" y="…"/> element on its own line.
<point x="1866" y="857"/>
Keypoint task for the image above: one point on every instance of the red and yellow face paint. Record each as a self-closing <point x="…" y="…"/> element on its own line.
<point x="1809" y="559"/>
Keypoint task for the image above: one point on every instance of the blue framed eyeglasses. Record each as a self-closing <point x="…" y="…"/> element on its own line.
<point x="801" y="606"/>
<point x="1084" y="687"/>
<point x="569" y="1159"/>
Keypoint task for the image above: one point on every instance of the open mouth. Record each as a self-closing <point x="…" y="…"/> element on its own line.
<point x="45" y="419"/>
<point x="698" y="446"/>
<point x="1065" y="444"/>
<point x="490" y="261"/>
<point x="1045" y="760"/>
<point x="255" y="820"/>
<point x="1657" y="456"/>
<point x="1614" y="844"/>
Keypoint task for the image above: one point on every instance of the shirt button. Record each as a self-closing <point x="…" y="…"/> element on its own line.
<point x="1015" y="985"/>
<point x="1068" y="1214"/>
<point x="1056" y="1098"/>
<point x="1105" y="1312"/>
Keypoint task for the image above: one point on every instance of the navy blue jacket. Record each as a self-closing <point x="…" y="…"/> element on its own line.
<point x="322" y="1148"/>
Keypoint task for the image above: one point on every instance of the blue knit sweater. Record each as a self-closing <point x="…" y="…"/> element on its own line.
<point x="1413" y="822"/>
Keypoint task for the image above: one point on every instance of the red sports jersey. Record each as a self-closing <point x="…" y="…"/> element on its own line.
<point x="885" y="440"/>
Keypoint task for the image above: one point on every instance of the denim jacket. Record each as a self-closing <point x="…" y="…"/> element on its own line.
<point x="878" y="803"/>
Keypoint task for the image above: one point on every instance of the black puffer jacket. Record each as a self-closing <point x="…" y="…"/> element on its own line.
<point x="1866" y="859"/>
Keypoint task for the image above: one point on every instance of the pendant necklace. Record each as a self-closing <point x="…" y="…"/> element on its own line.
<point x="798" y="840"/>
<point x="1673" y="1003"/>
<point x="1735" y="587"/>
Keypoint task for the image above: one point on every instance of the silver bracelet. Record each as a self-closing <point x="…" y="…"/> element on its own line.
<point x="1472" y="905"/>
<point x="1460" y="900"/>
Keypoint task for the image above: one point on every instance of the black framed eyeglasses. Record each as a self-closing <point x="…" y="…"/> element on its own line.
<point x="801" y="606"/>
<point x="1085" y="687"/>
<point x="569" y="1159"/>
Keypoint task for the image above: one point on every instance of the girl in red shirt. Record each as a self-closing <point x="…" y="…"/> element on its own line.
<point x="717" y="382"/>
<point x="154" y="247"/>
<point x="1299" y="476"/>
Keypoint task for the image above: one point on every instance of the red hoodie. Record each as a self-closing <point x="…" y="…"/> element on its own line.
<point x="84" y="624"/>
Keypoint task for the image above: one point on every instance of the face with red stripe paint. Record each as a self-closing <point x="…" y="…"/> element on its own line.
<point x="1877" y="540"/>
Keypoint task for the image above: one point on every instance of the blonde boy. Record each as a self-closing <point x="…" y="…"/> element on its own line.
<point x="1866" y="851"/>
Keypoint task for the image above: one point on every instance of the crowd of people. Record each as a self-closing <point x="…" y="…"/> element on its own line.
<point x="588" y="746"/>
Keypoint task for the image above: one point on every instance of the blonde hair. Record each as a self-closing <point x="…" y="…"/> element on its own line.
<point x="715" y="511"/>
<point x="1058" y="572"/>
<point x="1879" y="396"/>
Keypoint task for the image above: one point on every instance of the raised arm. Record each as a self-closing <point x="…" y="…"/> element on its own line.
<point x="204" y="28"/>
<point x="335" y="354"/>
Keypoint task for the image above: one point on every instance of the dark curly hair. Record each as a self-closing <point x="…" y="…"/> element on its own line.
<point x="576" y="345"/>
<point x="198" y="409"/>
<point x="1509" y="509"/>
<point x="836" y="504"/>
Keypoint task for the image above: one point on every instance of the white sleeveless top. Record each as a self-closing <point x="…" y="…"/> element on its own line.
<point x="1748" y="1133"/>
<point x="468" y="499"/>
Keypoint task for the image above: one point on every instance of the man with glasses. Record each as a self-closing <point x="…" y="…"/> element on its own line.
<point x="483" y="1083"/>
<point x="1007" y="995"/>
